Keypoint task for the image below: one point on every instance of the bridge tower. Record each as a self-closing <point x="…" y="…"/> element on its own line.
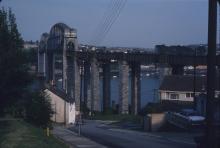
<point x="58" y="63"/>
<point x="42" y="49"/>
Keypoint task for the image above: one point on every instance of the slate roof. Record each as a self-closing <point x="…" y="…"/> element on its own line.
<point x="185" y="83"/>
<point x="60" y="93"/>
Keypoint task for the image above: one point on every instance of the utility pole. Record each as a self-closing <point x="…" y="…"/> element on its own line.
<point x="194" y="80"/>
<point x="211" y="63"/>
<point x="80" y="106"/>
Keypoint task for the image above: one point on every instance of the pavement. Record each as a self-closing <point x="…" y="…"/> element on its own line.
<point x="109" y="136"/>
<point x="73" y="139"/>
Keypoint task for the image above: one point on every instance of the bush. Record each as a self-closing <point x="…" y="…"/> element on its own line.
<point x="39" y="110"/>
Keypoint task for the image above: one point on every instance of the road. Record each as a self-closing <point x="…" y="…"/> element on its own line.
<point x="120" y="138"/>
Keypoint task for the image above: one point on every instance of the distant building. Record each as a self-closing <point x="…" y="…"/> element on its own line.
<point x="181" y="88"/>
<point x="30" y="45"/>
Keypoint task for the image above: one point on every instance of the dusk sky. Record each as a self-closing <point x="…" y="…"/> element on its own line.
<point x="142" y="23"/>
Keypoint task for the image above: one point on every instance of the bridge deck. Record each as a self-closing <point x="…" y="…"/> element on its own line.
<point x="144" y="58"/>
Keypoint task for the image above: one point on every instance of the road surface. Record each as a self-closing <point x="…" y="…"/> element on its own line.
<point x="120" y="138"/>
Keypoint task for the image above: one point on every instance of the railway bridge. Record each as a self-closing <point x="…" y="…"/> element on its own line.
<point x="63" y="64"/>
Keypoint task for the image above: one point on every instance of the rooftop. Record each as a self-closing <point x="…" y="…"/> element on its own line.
<point x="185" y="83"/>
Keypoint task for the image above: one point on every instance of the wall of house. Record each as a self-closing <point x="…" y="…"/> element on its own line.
<point x="64" y="111"/>
<point x="166" y="95"/>
<point x="71" y="113"/>
<point x="153" y="122"/>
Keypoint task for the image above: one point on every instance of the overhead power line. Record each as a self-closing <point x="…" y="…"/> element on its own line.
<point x="108" y="28"/>
<point x="110" y="16"/>
<point x="110" y="19"/>
<point x="102" y="23"/>
<point x="106" y="19"/>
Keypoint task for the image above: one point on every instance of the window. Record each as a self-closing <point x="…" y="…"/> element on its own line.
<point x="167" y="95"/>
<point x="188" y="95"/>
<point x="174" y="96"/>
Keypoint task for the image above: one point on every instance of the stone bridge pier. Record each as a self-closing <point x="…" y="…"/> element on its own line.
<point x="49" y="70"/>
<point x="87" y="85"/>
<point x="71" y="81"/>
<point x="123" y="87"/>
<point x="92" y="88"/>
<point x="106" y="86"/>
<point x="95" y="94"/>
<point x="135" y="88"/>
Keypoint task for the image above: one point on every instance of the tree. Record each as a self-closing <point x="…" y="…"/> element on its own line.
<point x="14" y="78"/>
<point x="39" y="110"/>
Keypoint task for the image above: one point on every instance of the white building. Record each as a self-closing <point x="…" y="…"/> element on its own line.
<point x="64" y="110"/>
<point x="181" y="88"/>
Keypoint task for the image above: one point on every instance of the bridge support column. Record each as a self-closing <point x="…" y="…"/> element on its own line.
<point x="41" y="65"/>
<point x="73" y="82"/>
<point x="135" y="88"/>
<point x="106" y="86"/>
<point x="87" y="85"/>
<point x="123" y="87"/>
<point x="65" y="70"/>
<point x="49" y="76"/>
<point x="95" y="85"/>
<point x="53" y="69"/>
<point x="177" y="69"/>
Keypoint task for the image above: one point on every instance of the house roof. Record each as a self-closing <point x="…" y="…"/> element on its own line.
<point x="60" y="93"/>
<point x="185" y="83"/>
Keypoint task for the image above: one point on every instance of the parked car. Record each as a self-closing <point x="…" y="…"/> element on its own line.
<point x="185" y="119"/>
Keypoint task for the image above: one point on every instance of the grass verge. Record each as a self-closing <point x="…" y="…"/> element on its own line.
<point x="19" y="134"/>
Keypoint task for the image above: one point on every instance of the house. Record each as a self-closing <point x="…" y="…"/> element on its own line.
<point x="64" y="111"/>
<point x="181" y="88"/>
